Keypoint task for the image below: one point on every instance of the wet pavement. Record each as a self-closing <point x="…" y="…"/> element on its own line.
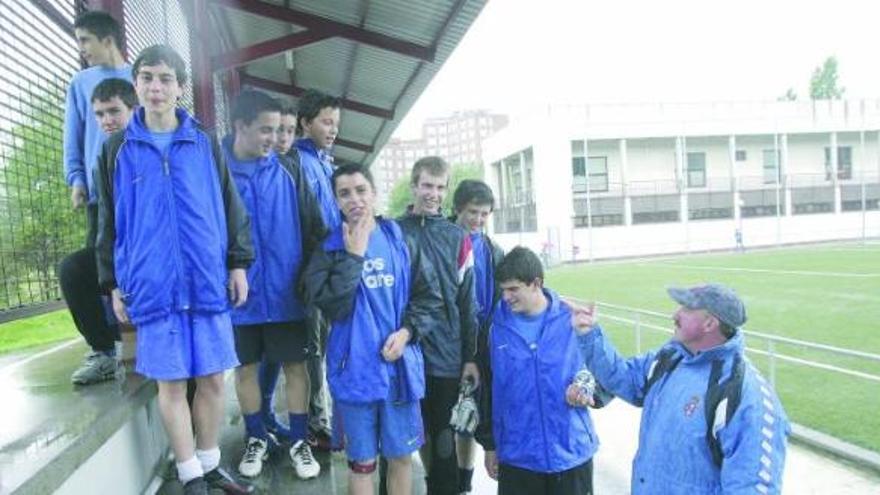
<point x="45" y="419"/>
<point x="44" y="416"/>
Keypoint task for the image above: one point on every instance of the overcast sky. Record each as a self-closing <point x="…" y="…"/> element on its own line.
<point x="519" y="54"/>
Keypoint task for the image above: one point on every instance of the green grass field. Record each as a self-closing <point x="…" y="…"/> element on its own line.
<point x="823" y="294"/>
<point x="36" y="331"/>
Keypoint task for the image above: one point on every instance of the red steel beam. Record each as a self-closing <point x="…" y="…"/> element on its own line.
<point x="332" y="28"/>
<point x="242" y="56"/>
<point x="203" y="76"/>
<point x="366" y="148"/>
<point x="296" y="91"/>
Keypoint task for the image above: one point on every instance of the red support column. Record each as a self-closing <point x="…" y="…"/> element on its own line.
<point x="203" y="77"/>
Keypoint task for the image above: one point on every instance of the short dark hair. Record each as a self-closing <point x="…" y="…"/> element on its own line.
<point x="101" y="24"/>
<point x="351" y="169"/>
<point x="107" y="89"/>
<point x="435" y="166"/>
<point x="288" y="110"/>
<point x="519" y="264"/>
<point x="249" y="104"/>
<point x="472" y="191"/>
<point x="310" y="105"/>
<point x="157" y="54"/>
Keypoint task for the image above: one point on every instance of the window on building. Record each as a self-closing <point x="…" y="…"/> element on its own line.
<point x="844" y="162"/>
<point x="598" y="174"/>
<point x="740" y="155"/>
<point x="772" y="171"/>
<point x="696" y="169"/>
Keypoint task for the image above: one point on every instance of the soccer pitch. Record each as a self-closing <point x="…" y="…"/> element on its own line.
<point x="828" y="294"/>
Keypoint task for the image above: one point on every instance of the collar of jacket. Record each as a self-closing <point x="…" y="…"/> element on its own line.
<point x="186" y="129"/>
<point x="309" y="145"/>
<point x="237" y="165"/>
<point x="734" y="345"/>
<point x="555" y="309"/>
<point x="422" y="217"/>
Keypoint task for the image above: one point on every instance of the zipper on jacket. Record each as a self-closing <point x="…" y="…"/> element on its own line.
<point x="172" y="210"/>
<point x="534" y="348"/>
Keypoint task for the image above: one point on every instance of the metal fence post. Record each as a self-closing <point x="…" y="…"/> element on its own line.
<point x="638" y="333"/>
<point x="771" y="352"/>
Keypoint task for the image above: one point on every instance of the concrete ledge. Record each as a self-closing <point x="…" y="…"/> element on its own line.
<point x="862" y="457"/>
<point x="105" y="438"/>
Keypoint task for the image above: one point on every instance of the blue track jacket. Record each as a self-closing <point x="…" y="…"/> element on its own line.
<point x="673" y="455"/>
<point x="356" y="371"/>
<point x="285" y="225"/>
<point x="532" y="426"/>
<point x="169" y="227"/>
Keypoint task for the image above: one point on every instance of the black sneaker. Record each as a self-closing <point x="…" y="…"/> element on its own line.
<point x="196" y="486"/>
<point x="218" y="479"/>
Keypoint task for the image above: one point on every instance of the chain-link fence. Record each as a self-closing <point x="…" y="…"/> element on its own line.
<point x="40" y="56"/>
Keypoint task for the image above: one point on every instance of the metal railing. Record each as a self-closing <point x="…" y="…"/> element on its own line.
<point x="641" y="320"/>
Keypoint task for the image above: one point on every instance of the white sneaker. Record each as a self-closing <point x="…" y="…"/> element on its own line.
<point x="303" y="462"/>
<point x="255" y="453"/>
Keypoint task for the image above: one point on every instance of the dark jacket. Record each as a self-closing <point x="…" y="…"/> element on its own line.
<point x="356" y="371"/>
<point x="286" y="226"/>
<point x="316" y="169"/>
<point x="169" y="228"/>
<point x="450" y="341"/>
<point x="532" y="426"/>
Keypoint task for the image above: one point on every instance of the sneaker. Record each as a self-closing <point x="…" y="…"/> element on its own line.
<point x="255" y="453"/>
<point x="196" y="486"/>
<point x="97" y="367"/>
<point x="218" y="479"/>
<point x="303" y="461"/>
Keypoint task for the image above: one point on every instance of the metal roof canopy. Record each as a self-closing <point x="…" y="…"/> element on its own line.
<point x="377" y="55"/>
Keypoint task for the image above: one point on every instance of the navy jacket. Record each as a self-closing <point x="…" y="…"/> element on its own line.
<point x="169" y="228"/>
<point x="450" y="340"/>
<point x="356" y="371"/>
<point x="532" y="426"/>
<point x="286" y="225"/>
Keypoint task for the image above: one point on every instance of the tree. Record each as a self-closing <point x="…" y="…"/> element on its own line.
<point x="789" y="95"/>
<point x="823" y="84"/>
<point x="38" y="225"/>
<point x="401" y="196"/>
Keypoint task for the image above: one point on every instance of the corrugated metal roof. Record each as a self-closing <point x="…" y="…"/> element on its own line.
<point x="371" y="59"/>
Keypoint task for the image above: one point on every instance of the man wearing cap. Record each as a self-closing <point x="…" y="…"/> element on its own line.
<point x="710" y="423"/>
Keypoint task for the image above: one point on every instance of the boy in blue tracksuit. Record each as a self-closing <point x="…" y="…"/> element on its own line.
<point x="98" y="37"/>
<point x="316" y="122"/>
<point x="173" y="246"/>
<point x="674" y="386"/>
<point x="285" y="226"/>
<point x="536" y="441"/>
<point x="376" y="290"/>
<point x="473" y="203"/>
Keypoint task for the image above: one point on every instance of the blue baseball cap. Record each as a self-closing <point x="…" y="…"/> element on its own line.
<point x="722" y="302"/>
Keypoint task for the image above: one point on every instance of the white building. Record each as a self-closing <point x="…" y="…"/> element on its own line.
<point x="780" y="172"/>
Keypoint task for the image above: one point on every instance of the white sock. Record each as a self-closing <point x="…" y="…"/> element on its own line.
<point x="189" y="470"/>
<point x="210" y="459"/>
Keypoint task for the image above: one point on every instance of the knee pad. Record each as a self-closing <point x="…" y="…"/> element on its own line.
<point x="362" y="467"/>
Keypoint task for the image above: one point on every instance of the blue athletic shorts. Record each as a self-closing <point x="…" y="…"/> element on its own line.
<point x="185" y="345"/>
<point x="395" y="428"/>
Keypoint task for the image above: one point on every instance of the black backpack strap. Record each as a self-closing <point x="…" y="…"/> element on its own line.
<point x="716" y="392"/>
<point x="663" y="364"/>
